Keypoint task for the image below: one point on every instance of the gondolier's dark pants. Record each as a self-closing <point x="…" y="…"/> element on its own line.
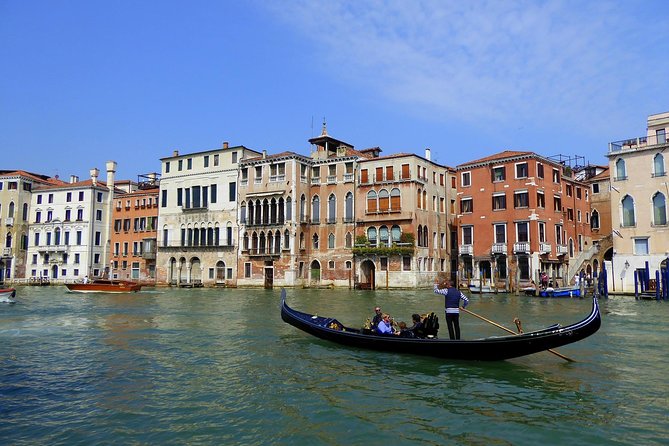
<point x="453" y="324"/>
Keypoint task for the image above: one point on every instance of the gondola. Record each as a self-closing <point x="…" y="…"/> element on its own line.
<point x="494" y="348"/>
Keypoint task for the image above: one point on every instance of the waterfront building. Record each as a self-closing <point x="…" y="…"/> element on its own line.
<point x="403" y="224"/>
<point x="520" y="213"/>
<point x="197" y="217"/>
<point x="69" y="232"/>
<point x="133" y="237"/>
<point x="639" y="203"/>
<point x="297" y="216"/>
<point x="598" y="180"/>
<point x="15" y="196"/>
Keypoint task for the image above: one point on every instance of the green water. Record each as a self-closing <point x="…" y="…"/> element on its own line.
<point x="208" y="366"/>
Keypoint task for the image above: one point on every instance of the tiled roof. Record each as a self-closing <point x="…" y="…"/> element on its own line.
<point x="498" y="156"/>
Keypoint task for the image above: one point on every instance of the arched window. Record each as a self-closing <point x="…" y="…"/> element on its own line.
<point x="420" y="235"/>
<point x="261" y="246"/>
<point x="349" y="240"/>
<point x="348" y="212"/>
<point x="286" y="239"/>
<point x="384" y="200"/>
<point x="273" y="214"/>
<point x="301" y="240"/>
<point x="8" y="240"/>
<point x="383" y="235"/>
<point x="659" y="209"/>
<point x="594" y="219"/>
<point x="10" y="212"/>
<point x="628" y="211"/>
<point x="331" y="241"/>
<point x="25" y="212"/>
<point x="332" y="209"/>
<point x="266" y="212"/>
<point x="395" y="233"/>
<point x="242" y="213"/>
<point x="245" y="245"/>
<point x="571" y="247"/>
<point x="371" y="235"/>
<point x="395" y="202"/>
<point x="303" y="208"/>
<point x="621" y="172"/>
<point x="281" y="212"/>
<point x="424" y="201"/>
<point x="277" y="242"/>
<point x="57" y="236"/>
<point x="371" y="201"/>
<point x="419" y="199"/>
<point x="289" y="209"/>
<point x="258" y="218"/>
<point x="658" y="166"/>
<point x="425" y="235"/>
<point x="251" y="213"/>
<point x="254" y="242"/>
<point x="315" y="241"/>
<point x="315" y="209"/>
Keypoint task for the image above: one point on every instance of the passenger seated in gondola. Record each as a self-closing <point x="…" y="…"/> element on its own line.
<point x="404" y="331"/>
<point x="377" y="318"/>
<point x="385" y="327"/>
<point x="417" y="327"/>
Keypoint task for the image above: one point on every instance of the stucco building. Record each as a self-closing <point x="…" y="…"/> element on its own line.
<point x="133" y="236"/>
<point x="69" y="231"/>
<point x="197" y="217"/>
<point x="639" y="203"/>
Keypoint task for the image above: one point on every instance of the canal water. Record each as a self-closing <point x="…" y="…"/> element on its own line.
<point x="211" y="367"/>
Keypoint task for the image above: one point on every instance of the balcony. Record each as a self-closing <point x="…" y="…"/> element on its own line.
<point x="6" y="252"/>
<point x="277" y="178"/>
<point x="316" y="180"/>
<point x="637" y="143"/>
<point x="545" y="248"/>
<point x="522" y="247"/>
<point x="562" y="249"/>
<point x="9" y="221"/>
<point x="466" y="250"/>
<point x="332" y="179"/>
<point x="243" y="182"/>
<point x="499" y="248"/>
<point x="194" y="209"/>
<point x="348" y="178"/>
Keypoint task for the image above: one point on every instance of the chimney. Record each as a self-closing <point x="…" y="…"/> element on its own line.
<point x="175" y="153"/>
<point x="111" y="171"/>
<point x="427" y="154"/>
<point x="74" y="179"/>
<point x="225" y="144"/>
<point x="94" y="175"/>
<point x="264" y="154"/>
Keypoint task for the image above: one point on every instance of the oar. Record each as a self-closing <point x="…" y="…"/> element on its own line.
<point x="513" y="332"/>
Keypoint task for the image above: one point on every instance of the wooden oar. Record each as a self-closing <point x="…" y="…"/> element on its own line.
<point x="513" y="332"/>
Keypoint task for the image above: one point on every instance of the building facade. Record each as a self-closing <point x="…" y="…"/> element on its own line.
<point x="134" y="233"/>
<point x="518" y="214"/>
<point x="69" y="231"/>
<point x="639" y="203"/>
<point x="197" y="217"/>
<point x="15" y="198"/>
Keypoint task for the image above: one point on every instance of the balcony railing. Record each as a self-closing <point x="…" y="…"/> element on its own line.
<point x="498" y="248"/>
<point x="635" y="143"/>
<point x="348" y="178"/>
<point x="521" y="247"/>
<point x="332" y="179"/>
<point x="561" y="249"/>
<point x="544" y="248"/>
<point x="6" y="252"/>
<point x="9" y="221"/>
<point x="316" y="180"/>
<point x="466" y="250"/>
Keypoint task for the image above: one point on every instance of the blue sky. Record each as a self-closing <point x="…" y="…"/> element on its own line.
<point x="85" y="81"/>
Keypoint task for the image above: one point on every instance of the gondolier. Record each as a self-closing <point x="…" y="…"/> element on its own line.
<point x="452" y="298"/>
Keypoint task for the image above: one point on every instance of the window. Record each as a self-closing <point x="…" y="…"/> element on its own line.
<point x="466" y="179"/>
<point x="371" y="235"/>
<point x="383" y="235"/>
<point x="570" y="214"/>
<point x="216" y="159"/>
<point x="540" y="170"/>
<point x="500" y="233"/>
<point x="559" y="238"/>
<point x="38" y="217"/>
<point x="384" y="263"/>
<point x="661" y="136"/>
<point x="206" y="161"/>
<point x="556" y="176"/>
<point x="658" y="166"/>
<point x="542" y="232"/>
<point x="578" y="193"/>
<point x="569" y="190"/>
<point x="405" y="172"/>
<point x="79" y="238"/>
<point x="232" y="192"/>
<point x="466" y="205"/>
<point x="247" y="270"/>
<point x="331" y="241"/>
<point x="163" y="201"/>
<point x="467" y="235"/>
<point x="190" y="163"/>
<point x="384" y="200"/>
<point x="97" y="238"/>
<point x="498" y="173"/>
<point x="371" y="201"/>
<point x="557" y="204"/>
<point x="641" y="246"/>
<point x="522" y="232"/>
<point x="521" y="199"/>
<point x="348" y="208"/>
<point x="315" y="241"/>
<point x="521" y="170"/>
<point x="406" y="263"/>
<point x="621" y="171"/>
<point x="167" y="167"/>
<point x="395" y="233"/>
<point x="315" y="209"/>
<point x="498" y="201"/>
<point x="332" y="209"/>
<point x="524" y="267"/>
<point x="98" y="215"/>
<point x="99" y="197"/>
<point x="213" y="193"/>
<point x="541" y="199"/>
<point x="659" y="209"/>
<point x="628" y="212"/>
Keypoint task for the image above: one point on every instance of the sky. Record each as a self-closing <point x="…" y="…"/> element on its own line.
<point x="83" y="82"/>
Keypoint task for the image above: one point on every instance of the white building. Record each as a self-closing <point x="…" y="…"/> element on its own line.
<point x="70" y="228"/>
<point x="639" y="192"/>
<point x="197" y="217"/>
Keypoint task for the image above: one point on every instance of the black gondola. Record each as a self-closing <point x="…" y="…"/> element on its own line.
<point x="486" y="349"/>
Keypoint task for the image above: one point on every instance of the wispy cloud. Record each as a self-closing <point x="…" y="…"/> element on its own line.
<point x="505" y="61"/>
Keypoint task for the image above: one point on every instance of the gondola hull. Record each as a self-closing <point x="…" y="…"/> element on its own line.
<point x="485" y="349"/>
